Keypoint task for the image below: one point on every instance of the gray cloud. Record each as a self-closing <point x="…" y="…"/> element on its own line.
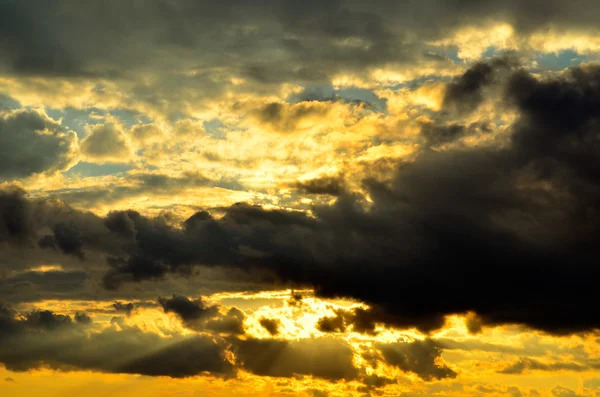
<point x="310" y="41"/>
<point x="32" y="143"/>
<point x="326" y="358"/>
<point x="34" y="285"/>
<point x="126" y="308"/>
<point x="526" y="212"/>
<point x="271" y="325"/>
<point x="46" y="339"/>
<point x="333" y="186"/>
<point x="106" y="142"/>
<point x="419" y="357"/>
<point x="196" y="315"/>
<point x="525" y="364"/>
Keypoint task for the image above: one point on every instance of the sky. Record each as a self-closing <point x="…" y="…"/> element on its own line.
<point x="316" y="198"/>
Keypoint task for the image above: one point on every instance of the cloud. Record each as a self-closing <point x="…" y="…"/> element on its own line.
<point x="126" y="308"/>
<point x="50" y="340"/>
<point x="32" y="143"/>
<point x="560" y="391"/>
<point x="365" y="321"/>
<point x="525" y="211"/>
<point x="419" y="357"/>
<point x="271" y="325"/>
<point x="330" y="185"/>
<point x="525" y="364"/>
<point x="308" y="44"/>
<point x="106" y="143"/>
<point x="143" y="184"/>
<point x="326" y="358"/>
<point x="466" y="91"/>
<point x="30" y="286"/>
<point x="196" y="315"/>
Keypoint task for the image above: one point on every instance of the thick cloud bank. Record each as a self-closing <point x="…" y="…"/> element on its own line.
<point x="510" y="232"/>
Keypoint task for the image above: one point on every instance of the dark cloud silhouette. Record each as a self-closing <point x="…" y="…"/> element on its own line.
<point x="189" y="311"/>
<point x="333" y="186"/>
<point x="46" y="319"/>
<point x="365" y="321"/>
<point x="271" y="325"/>
<point x="126" y="308"/>
<point x="68" y="240"/>
<point x="473" y="323"/>
<point x="195" y="314"/>
<point x="335" y="323"/>
<point x="230" y="323"/>
<point x="82" y="318"/>
<point x="419" y="357"/>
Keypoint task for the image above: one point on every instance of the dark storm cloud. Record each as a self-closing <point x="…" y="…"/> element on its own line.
<point x="31" y="143"/>
<point x="509" y="233"/>
<point x="45" y="339"/>
<point x="196" y="315"/>
<point x="323" y="358"/>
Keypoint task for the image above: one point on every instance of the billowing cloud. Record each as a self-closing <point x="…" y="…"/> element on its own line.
<point x="31" y="143"/>
<point x="197" y="315"/>
<point x="427" y="173"/>
<point x="106" y="143"/>
<point x="524" y="210"/>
